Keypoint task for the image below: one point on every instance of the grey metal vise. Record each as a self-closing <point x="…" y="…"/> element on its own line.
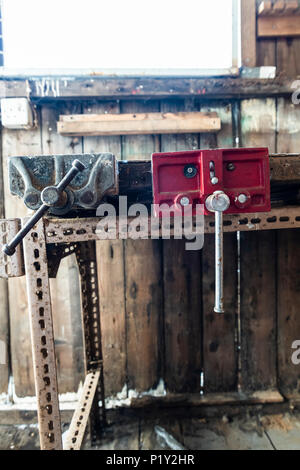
<point x="58" y="184"/>
<point x="29" y="176"/>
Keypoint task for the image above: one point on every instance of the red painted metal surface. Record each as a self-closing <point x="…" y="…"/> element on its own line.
<point x="191" y="174"/>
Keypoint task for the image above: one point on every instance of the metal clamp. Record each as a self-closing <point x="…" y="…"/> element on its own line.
<point x="52" y="196"/>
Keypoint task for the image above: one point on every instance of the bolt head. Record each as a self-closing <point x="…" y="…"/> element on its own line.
<point x="184" y="201"/>
<point x="190" y="171"/>
<point x="50" y="196"/>
<point x="214" y="180"/>
<point x="242" y="198"/>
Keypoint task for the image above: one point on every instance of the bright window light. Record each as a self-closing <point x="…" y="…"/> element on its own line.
<point x="116" y="34"/>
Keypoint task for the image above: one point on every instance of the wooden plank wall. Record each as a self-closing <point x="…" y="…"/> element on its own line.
<point x="156" y="298"/>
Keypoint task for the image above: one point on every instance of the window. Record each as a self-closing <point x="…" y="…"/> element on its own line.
<point x="161" y="37"/>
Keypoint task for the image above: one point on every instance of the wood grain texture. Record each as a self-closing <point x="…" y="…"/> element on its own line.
<point x="258" y="310"/>
<point x="110" y="265"/>
<point x="219" y="348"/>
<point x="278" y="26"/>
<point x="287" y="56"/>
<point x="258" y="268"/>
<point x="145" y="88"/>
<point x="182" y="287"/>
<point x="288" y="298"/>
<point x="266" y="52"/>
<point x="219" y="330"/>
<point x="4" y="306"/>
<point x="143" y="280"/>
<point x="19" y="142"/>
<point x="258" y="123"/>
<point x="288" y="261"/>
<point x="288" y="126"/>
<point x="138" y="123"/>
<point x="248" y="32"/>
<point x="65" y="290"/>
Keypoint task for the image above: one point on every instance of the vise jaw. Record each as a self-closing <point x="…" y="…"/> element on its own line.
<point x="28" y="176"/>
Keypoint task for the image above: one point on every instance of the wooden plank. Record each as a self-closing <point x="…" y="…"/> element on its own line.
<point x="4" y="317"/>
<point x="220" y="351"/>
<point x="139" y="123"/>
<point x="110" y="265"/>
<point x="288" y="297"/>
<point x="182" y="307"/>
<point x="258" y="310"/>
<point x="273" y="26"/>
<point x="266" y="52"/>
<point x="220" y="354"/>
<point x="258" y="123"/>
<point x="288" y="126"/>
<point x="65" y="288"/>
<point x="19" y="142"/>
<point x="257" y="258"/>
<point x="143" y="280"/>
<point x="182" y="288"/>
<point x="248" y="32"/>
<point x="287" y="56"/>
<point x="265" y="7"/>
<point x="146" y="87"/>
<point x="288" y="260"/>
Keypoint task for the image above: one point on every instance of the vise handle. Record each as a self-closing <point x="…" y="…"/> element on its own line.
<point x="52" y="196"/>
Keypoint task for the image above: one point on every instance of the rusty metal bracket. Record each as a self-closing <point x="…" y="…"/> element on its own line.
<point x="80" y="417"/>
<point x="41" y="326"/>
<point x="10" y="266"/>
<point x="86" y="258"/>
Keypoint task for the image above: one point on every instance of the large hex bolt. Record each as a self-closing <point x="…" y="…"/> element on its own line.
<point x="218" y="202"/>
<point x="52" y="196"/>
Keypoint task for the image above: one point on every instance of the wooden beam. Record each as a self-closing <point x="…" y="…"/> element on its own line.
<point x="140" y="123"/>
<point x="248" y="31"/>
<point x="144" y="87"/>
<point x="277" y="7"/>
<point x="265" y="7"/>
<point x="278" y="26"/>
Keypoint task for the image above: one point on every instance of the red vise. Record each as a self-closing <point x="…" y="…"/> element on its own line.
<point x="189" y="177"/>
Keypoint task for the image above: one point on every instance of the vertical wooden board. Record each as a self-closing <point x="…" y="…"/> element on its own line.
<point x="266" y="52"/>
<point x="4" y="307"/>
<point x="288" y="298"/>
<point x="258" y="268"/>
<point x="182" y="287"/>
<point x="143" y="313"/>
<point x="139" y="147"/>
<point x="4" y="337"/>
<point x="219" y="349"/>
<point x="258" y="123"/>
<point x="110" y="265"/>
<point x="287" y="57"/>
<point x="222" y="138"/>
<point x="288" y="261"/>
<point x="182" y="306"/>
<point x="143" y="280"/>
<point x="19" y="142"/>
<point x="219" y="330"/>
<point x="258" y="310"/>
<point x="248" y="31"/>
<point x="288" y="126"/>
<point x="65" y="291"/>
